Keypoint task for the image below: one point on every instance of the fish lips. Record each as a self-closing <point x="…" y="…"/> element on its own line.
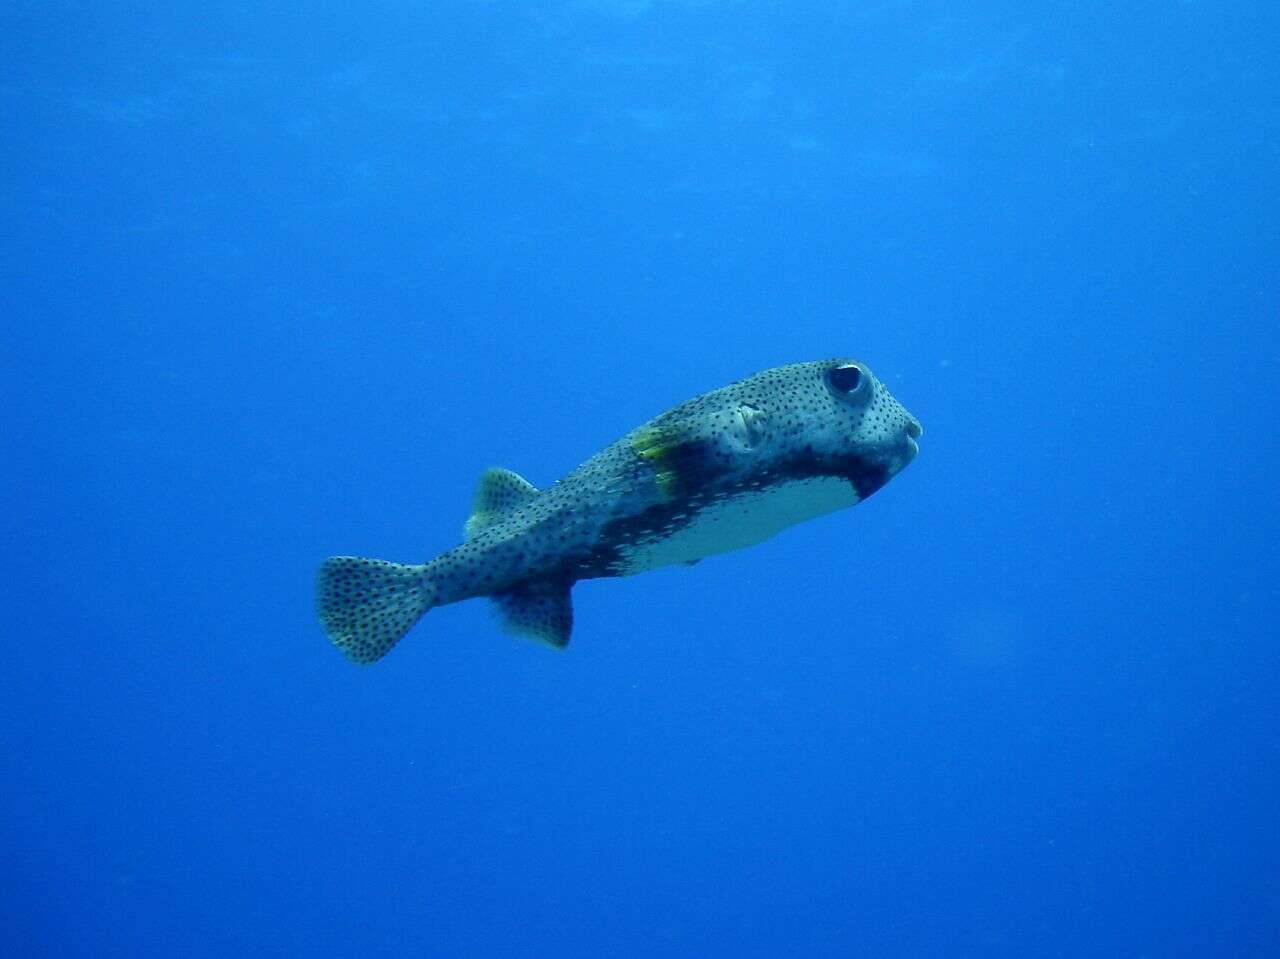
<point x="913" y="432"/>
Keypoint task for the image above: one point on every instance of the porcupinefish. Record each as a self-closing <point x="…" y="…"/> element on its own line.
<point x="723" y="471"/>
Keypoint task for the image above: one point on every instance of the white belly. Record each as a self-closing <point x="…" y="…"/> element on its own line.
<point x="738" y="521"/>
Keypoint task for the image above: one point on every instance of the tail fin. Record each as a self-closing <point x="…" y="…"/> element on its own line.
<point x="366" y="605"/>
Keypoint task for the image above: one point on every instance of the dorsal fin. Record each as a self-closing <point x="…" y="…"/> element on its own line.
<point x="497" y="494"/>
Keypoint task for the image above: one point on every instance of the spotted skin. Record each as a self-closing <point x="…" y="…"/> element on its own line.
<point x="720" y="472"/>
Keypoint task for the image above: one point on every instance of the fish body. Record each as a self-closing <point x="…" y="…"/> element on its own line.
<point x="723" y="471"/>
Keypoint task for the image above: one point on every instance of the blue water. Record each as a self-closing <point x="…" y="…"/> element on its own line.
<point x="280" y="284"/>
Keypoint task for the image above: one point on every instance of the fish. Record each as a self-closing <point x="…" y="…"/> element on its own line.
<point x="724" y="471"/>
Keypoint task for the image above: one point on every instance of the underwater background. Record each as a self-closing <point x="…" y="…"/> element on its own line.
<point x="280" y="282"/>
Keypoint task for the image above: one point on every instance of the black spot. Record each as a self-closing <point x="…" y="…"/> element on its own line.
<point x="867" y="477"/>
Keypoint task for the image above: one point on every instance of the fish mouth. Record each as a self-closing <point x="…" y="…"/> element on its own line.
<point x="914" y="431"/>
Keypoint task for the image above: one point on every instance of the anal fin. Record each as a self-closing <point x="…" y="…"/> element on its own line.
<point x="540" y="610"/>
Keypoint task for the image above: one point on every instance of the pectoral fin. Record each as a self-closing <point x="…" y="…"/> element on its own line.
<point x="750" y="426"/>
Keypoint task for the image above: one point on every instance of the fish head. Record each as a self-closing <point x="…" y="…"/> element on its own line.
<point x="855" y="425"/>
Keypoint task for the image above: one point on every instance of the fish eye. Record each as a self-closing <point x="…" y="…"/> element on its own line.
<point x="845" y="379"/>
